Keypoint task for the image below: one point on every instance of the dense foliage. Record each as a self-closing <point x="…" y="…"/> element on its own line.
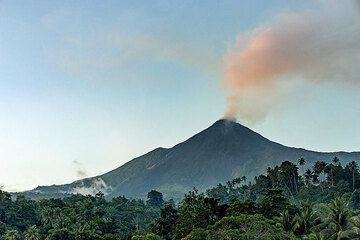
<point x="75" y="217"/>
<point x="320" y="202"/>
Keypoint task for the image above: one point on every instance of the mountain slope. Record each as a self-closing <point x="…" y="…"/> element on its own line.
<point x="221" y="152"/>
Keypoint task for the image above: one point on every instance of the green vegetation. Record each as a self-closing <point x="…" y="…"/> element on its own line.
<point x="321" y="202"/>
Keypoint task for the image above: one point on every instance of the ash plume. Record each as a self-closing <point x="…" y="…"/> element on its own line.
<point x="321" y="46"/>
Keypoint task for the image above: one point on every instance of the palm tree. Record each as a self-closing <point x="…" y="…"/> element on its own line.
<point x="329" y="171"/>
<point x="281" y="175"/>
<point x="319" y="168"/>
<point x="335" y="163"/>
<point x="272" y="174"/>
<point x="338" y="219"/>
<point x="291" y="171"/>
<point x="306" y="218"/>
<point x="315" y="236"/>
<point x="47" y="215"/>
<point x="353" y="167"/>
<point x="11" y="235"/>
<point x="32" y="233"/>
<point x="315" y="178"/>
<point x="302" y="162"/>
<point x="284" y="221"/>
<point x="308" y="176"/>
<point x="236" y="181"/>
<point x="243" y="178"/>
<point x="355" y="230"/>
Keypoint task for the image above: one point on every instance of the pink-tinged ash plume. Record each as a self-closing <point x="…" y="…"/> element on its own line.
<point x="321" y="45"/>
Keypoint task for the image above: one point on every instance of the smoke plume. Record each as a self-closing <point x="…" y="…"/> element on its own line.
<point x="80" y="170"/>
<point x="321" y="46"/>
<point x="97" y="185"/>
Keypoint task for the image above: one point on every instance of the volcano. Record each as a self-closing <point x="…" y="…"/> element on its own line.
<point x="217" y="154"/>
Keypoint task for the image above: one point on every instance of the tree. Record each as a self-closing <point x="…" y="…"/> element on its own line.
<point x="2" y="228"/>
<point x="302" y="162"/>
<point x="315" y="178"/>
<point x="285" y="221"/>
<point x="148" y="236"/>
<point x="217" y="210"/>
<point x="319" y="168"/>
<point x="330" y="175"/>
<point x="355" y="227"/>
<point x="236" y="181"/>
<point x="308" y="176"/>
<point x="243" y="178"/>
<point x="353" y="167"/>
<point x="336" y="161"/>
<point x="242" y="207"/>
<point x="272" y="175"/>
<point x="290" y="172"/>
<point x="336" y="169"/>
<point x="165" y="224"/>
<point x="197" y="234"/>
<point x="60" y="234"/>
<point x="99" y="194"/>
<point x="11" y="235"/>
<point x="263" y="182"/>
<point x="254" y="227"/>
<point x="355" y="200"/>
<point x="32" y="233"/>
<point x="109" y="236"/>
<point x="305" y="219"/>
<point x="315" y="236"/>
<point x="338" y="217"/>
<point x="220" y="192"/>
<point x="285" y="176"/>
<point x="329" y="169"/>
<point x="155" y="199"/>
<point x="194" y="212"/>
<point x="273" y="203"/>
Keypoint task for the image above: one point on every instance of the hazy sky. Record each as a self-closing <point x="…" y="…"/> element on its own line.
<point x="85" y="86"/>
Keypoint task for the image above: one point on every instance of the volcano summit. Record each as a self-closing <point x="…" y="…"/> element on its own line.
<point x="219" y="153"/>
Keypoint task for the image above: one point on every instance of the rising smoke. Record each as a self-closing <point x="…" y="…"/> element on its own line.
<point x="321" y="45"/>
<point x="84" y="187"/>
<point x="80" y="170"/>
<point x="97" y="185"/>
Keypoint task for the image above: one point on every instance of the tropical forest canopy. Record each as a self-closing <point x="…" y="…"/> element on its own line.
<point x="288" y="202"/>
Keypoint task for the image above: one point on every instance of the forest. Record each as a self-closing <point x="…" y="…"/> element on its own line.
<point x="289" y="201"/>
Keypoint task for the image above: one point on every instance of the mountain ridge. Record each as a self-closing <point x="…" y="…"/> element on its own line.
<point x="218" y="153"/>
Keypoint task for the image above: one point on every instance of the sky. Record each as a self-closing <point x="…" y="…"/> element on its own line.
<point x="86" y="86"/>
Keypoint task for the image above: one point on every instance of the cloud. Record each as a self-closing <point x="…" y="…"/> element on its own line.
<point x="113" y="52"/>
<point x="184" y="53"/>
<point x="320" y="46"/>
<point x="98" y="50"/>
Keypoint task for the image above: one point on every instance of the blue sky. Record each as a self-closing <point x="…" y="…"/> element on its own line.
<point x="89" y="85"/>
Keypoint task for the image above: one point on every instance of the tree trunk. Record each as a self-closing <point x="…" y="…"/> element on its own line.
<point x="321" y="182"/>
<point x="287" y="188"/>
<point x="353" y="181"/>
<point x="295" y="182"/>
<point x="291" y="183"/>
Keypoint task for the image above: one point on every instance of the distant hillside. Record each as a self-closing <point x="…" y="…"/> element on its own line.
<point x="221" y="152"/>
